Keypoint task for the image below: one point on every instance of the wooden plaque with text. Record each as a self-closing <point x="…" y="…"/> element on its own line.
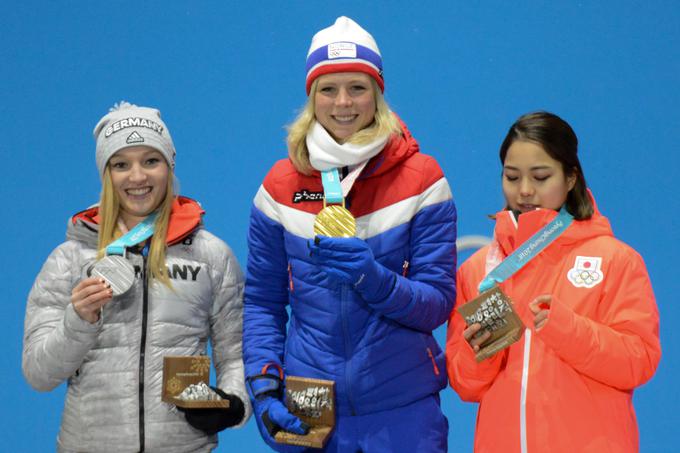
<point x="494" y="311"/>
<point x="179" y="372"/>
<point x="313" y="400"/>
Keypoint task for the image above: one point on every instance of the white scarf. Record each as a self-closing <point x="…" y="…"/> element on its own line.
<point x="325" y="153"/>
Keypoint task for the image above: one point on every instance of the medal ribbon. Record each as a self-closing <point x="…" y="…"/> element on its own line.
<point x="528" y="250"/>
<point x="141" y="232"/>
<point x="332" y="190"/>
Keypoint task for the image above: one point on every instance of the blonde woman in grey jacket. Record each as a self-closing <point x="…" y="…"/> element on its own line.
<point x="137" y="279"/>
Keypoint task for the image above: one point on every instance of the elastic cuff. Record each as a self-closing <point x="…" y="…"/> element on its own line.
<point x="77" y="325"/>
<point x="266" y="384"/>
<point x="381" y="282"/>
<point x="558" y="326"/>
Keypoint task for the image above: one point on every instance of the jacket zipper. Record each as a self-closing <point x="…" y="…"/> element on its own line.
<point x="344" y="290"/>
<point x="290" y="277"/>
<point x="434" y="364"/>
<point x="145" y="310"/>
<point x="404" y="268"/>
<point x="523" y="392"/>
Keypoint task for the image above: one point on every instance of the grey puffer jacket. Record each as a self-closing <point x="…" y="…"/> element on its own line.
<point x="114" y="367"/>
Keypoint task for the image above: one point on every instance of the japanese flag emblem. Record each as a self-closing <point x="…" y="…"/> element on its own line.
<point x="586" y="272"/>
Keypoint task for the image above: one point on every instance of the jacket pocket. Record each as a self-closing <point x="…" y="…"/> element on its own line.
<point x="404" y="268"/>
<point x="434" y="362"/>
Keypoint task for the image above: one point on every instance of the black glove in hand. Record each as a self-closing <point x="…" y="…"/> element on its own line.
<point x="213" y="420"/>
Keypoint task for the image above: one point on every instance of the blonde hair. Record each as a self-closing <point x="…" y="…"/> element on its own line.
<point x="385" y="123"/>
<point x="109" y="209"/>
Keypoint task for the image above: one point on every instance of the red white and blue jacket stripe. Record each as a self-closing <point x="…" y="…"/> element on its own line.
<point x="381" y="356"/>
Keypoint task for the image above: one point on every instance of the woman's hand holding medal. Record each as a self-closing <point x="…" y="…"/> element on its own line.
<point x="89" y="296"/>
<point x="475" y="336"/>
<point x="351" y="261"/>
<point x="540" y="307"/>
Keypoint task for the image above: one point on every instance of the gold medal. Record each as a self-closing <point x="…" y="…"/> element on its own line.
<point x="335" y="221"/>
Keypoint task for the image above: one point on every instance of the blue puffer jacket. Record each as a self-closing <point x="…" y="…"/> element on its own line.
<point x="380" y="356"/>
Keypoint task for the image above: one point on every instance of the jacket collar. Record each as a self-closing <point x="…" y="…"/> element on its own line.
<point x="511" y="233"/>
<point x="185" y="217"/>
<point x="397" y="149"/>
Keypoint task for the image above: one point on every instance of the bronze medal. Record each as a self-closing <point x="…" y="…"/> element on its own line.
<point x="335" y="221"/>
<point x="494" y="310"/>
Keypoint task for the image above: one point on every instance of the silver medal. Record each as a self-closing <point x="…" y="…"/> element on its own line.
<point x="117" y="271"/>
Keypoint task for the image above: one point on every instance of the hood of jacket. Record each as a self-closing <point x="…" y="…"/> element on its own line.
<point x="397" y="149"/>
<point x="510" y="233"/>
<point x="185" y="217"/>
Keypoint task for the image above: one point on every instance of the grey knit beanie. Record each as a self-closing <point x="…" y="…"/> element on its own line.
<point x="128" y="125"/>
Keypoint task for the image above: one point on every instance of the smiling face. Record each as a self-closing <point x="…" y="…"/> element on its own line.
<point x="139" y="176"/>
<point x="344" y="103"/>
<point x="532" y="179"/>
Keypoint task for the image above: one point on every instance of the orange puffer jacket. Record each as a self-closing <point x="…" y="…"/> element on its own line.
<point x="569" y="385"/>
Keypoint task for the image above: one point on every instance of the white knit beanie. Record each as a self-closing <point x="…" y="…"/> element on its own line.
<point x="128" y="125"/>
<point x="344" y="47"/>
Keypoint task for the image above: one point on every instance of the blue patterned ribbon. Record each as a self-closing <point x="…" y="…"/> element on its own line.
<point x="332" y="190"/>
<point x="141" y="232"/>
<point x="528" y="250"/>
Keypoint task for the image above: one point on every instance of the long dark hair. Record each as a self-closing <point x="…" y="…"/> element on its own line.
<point x="558" y="139"/>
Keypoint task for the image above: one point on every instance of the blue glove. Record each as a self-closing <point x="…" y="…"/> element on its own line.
<point x="266" y="392"/>
<point x="351" y="261"/>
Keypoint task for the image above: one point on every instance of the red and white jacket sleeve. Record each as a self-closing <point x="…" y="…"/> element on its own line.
<point x="468" y="378"/>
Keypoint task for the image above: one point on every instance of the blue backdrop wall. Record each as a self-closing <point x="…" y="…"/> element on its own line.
<point x="227" y="78"/>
